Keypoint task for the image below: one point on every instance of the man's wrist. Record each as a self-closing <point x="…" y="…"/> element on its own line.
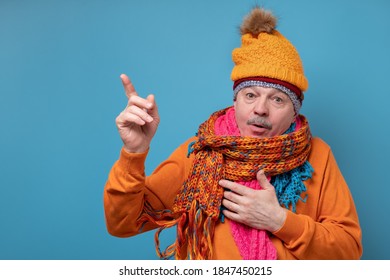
<point x="139" y="150"/>
<point x="280" y="219"/>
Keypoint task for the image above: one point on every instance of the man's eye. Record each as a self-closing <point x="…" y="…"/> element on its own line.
<point x="250" y="95"/>
<point x="278" y="99"/>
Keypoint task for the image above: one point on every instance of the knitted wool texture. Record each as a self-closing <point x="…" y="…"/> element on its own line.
<point x="252" y="243"/>
<point x="197" y="206"/>
<point x="255" y="244"/>
<point x="267" y="53"/>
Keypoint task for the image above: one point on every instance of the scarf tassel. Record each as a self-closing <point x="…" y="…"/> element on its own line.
<point x="162" y="219"/>
<point x="200" y="233"/>
<point x="194" y="232"/>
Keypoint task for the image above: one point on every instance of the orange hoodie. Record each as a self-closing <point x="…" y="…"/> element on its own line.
<point x="326" y="226"/>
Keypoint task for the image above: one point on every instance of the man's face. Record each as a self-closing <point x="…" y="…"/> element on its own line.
<point x="263" y="112"/>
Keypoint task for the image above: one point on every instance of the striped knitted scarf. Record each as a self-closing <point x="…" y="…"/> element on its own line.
<point x="197" y="206"/>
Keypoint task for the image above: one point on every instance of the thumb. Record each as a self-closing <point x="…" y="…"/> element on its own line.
<point x="151" y="99"/>
<point x="152" y="110"/>
<point x="263" y="181"/>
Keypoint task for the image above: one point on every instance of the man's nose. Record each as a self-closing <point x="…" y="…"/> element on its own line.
<point x="261" y="107"/>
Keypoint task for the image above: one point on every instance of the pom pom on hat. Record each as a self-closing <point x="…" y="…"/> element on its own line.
<point x="265" y="52"/>
<point x="259" y="20"/>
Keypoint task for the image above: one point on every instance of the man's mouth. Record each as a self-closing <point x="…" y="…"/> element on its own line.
<point x="258" y="125"/>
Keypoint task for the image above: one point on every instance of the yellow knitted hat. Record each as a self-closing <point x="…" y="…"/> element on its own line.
<point x="266" y="53"/>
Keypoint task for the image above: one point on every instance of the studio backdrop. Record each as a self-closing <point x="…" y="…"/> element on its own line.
<point x="60" y="91"/>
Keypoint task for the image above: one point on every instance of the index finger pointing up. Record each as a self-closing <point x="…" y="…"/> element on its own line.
<point x="128" y="86"/>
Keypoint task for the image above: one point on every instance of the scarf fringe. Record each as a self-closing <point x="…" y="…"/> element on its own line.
<point x="162" y="219"/>
<point x="200" y="232"/>
<point x="195" y="231"/>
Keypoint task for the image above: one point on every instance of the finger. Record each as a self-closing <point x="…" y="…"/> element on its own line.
<point x="263" y="181"/>
<point x="152" y="102"/>
<point x="230" y="206"/>
<point x="137" y="112"/>
<point x="126" y="119"/>
<point x="128" y="86"/>
<point x="231" y="215"/>
<point x="140" y="102"/>
<point x="150" y="98"/>
<point x="233" y="197"/>
<point x="234" y="187"/>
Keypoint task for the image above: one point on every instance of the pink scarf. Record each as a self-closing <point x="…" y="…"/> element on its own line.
<point x="253" y="244"/>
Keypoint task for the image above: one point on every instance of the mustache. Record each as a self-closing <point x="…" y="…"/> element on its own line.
<point x="259" y="121"/>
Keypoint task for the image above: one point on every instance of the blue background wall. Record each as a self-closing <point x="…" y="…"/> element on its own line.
<point x="60" y="90"/>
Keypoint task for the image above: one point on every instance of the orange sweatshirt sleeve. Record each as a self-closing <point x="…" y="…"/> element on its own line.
<point x="326" y="226"/>
<point x="128" y="189"/>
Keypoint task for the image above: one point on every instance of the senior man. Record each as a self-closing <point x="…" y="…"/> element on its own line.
<point x="253" y="183"/>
